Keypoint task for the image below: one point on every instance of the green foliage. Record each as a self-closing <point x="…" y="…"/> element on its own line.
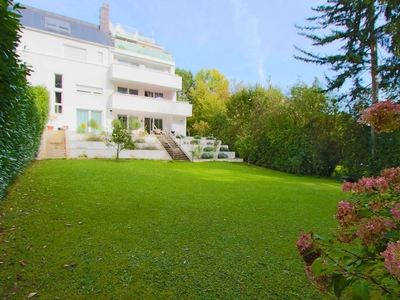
<point x="93" y="124"/>
<point x="120" y="138"/>
<point x="22" y="110"/>
<point x="83" y="155"/>
<point x="211" y="137"/>
<point x="140" y="140"/>
<point x="197" y="137"/>
<point x="42" y="99"/>
<point x="134" y="123"/>
<point x="223" y="148"/>
<point x="180" y="136"/>
<point x="196" y="152"/>
<point x="93" y="137"/>
<point x="209" y="96"/>
<point x="207" y="155"/>
<point x="363" y="255"/>
<point x="187" y="84"/>
<point x="222" y="155"/>
<point x="208" y="149"/>
<point x="360" y="29"/>
<point x="195" y="142"/>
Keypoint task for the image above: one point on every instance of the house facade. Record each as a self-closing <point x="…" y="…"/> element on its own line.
<point x="101" y="72"/>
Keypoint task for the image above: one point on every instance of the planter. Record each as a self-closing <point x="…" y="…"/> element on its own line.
<point x="50" y="127"/>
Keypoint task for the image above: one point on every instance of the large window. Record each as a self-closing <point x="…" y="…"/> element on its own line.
<point x="153" y="94"/>
<point x="82" y="119"/>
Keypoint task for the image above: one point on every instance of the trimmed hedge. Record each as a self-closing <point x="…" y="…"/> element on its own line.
<point x="207" y="155"/>
<point x="223" y="148"/>
<point x="195" y="142"/>
<point x="222" y="155"/>
<point x="23" y="109"/>
<point x="210" y="138"/>
<point x="197" y="137"/>
<point x="208" y="149"/>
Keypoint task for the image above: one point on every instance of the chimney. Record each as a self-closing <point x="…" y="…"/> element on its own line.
<point x="104" y="18"/>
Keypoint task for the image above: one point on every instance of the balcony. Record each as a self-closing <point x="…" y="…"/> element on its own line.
<point x="123" y="102"/>
<point x="143" y="76"/>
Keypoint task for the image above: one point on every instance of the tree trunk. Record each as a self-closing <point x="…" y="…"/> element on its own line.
<point x="374" y="70"/>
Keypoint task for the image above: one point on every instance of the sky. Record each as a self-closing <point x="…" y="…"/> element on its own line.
<point x="249" y="41"/>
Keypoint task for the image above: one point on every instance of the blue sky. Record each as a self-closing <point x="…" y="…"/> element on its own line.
<point x="246" y="40"/>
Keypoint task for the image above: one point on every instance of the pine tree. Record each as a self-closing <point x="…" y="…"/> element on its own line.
<point x="368" y="35"/>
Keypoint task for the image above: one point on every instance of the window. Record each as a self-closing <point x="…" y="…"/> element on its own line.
<point x="58" y="103"/>
<point x="159" y="95"/>
<point x="58" y="81"/>
<point x="148" y="94"/>
<point x="89" y="90"/>
<point x="133" y="92"/>
<point x="57" y="25"/>
<point x="122" y="90"/>
<point x="158" y="123"/>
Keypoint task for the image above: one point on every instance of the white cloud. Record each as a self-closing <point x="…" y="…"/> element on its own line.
<point x="247" y="27"/>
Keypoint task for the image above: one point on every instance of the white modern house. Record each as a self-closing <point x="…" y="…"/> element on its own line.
<point x="101" y="72"/>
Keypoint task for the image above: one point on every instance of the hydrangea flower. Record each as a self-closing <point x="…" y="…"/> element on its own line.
<point x="392" y="258"/>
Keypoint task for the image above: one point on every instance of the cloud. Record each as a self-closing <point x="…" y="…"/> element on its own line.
<point x="247" y="26"/>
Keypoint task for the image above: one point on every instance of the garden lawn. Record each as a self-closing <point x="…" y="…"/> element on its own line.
<point x="136" y="229"/>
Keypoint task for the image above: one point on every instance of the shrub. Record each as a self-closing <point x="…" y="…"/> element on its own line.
<point x="92" y="137"/>
<point x="134" y="123"/>
<point x="223" y="148"/>
<point x="195" y="142"/>
<point x="93" y="124"/>
<point x="83" y="155"/>
<point x="211" y="137"/>
<point x="197" y="137"/>
<point x="180" y="136"/>
<point x="222" y="155"/>
<point x="367" y="241"/>
<point x="21" y="113"/>
<point x="207" y="155"/>
<point x="208" y="149"/>
<point x="140" y="141"/>
<point x="150" y="147"/>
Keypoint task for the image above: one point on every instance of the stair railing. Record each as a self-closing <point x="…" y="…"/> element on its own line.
<point x="172" y="148"/>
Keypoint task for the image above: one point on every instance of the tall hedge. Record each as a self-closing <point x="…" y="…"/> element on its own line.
<point x="21" y="123"/>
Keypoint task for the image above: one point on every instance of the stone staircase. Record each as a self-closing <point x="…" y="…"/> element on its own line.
<point x="53" y="144"/>
<point x="176" y="153"/>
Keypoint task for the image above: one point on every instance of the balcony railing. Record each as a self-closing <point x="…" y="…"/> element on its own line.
<point x="124" y="102"/>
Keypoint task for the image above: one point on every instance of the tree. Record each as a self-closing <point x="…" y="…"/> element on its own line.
<point x="187" y="84"/>
<point x="209" y="96"/>
<point x="120" y="138"/>
<point x="364" y="254"/>
<point x="362" y="29"/>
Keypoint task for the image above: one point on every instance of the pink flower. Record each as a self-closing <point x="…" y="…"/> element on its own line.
<point x="308" y="249"/>
<point x="374" y="230"/>
<point x="346" y="214"/>
<point x="382" y="116"/>
<point x="395" y="211"/>
<point x="392" y="258"/>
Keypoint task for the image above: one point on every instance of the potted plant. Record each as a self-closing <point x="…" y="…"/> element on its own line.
<point x="51" y="119"/>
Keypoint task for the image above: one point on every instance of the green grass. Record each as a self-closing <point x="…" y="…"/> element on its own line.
<point x="101" y="229"/>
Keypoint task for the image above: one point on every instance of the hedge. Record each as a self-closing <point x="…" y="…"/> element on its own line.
<point x="22" y="114"/>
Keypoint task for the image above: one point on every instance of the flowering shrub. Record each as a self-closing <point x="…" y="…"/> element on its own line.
<point x="364" y="253"/>
<point x="383" y="116"/>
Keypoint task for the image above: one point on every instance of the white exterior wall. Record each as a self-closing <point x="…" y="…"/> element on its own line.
<point x="46" y="59"/>
<point x="45" y="52"/>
